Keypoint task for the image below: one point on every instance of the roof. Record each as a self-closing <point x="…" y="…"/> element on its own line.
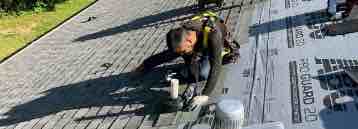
<point x="277" y="77"/>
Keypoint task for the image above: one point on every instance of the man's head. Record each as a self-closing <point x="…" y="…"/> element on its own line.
<point x="181" y="41"/>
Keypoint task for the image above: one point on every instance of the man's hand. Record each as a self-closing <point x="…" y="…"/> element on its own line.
<point x="198" y="101"/>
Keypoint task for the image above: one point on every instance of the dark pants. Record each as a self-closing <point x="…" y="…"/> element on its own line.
<point x="332" y="7"/>
<point x="204" y="68"/>
<point x="203" y="71"/>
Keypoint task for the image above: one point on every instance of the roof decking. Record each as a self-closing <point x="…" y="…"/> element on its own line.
<point x="277" y="77"/>
<point x="78" y="75"/>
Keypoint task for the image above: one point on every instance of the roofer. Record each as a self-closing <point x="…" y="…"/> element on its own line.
<point x="350" y="4"/>
<point x="204" y="44"/>
<point x="345" y="7"/>
<point x="347" y="15"/>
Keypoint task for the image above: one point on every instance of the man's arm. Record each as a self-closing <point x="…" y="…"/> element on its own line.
<point x="157" y="59"/>
<point x="193" y="68"/>
<point x="215" y="48"/>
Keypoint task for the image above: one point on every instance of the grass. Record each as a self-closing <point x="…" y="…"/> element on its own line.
<point x="17" y="31"/>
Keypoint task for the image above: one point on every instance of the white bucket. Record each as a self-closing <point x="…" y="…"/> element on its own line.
<point x="174" y="88"/>
<point x="229" y="114"/>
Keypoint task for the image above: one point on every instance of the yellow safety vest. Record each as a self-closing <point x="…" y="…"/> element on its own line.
<point x="210" y="17"/>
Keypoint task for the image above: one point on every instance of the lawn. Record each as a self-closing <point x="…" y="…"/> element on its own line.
<point x="17" y="31"/>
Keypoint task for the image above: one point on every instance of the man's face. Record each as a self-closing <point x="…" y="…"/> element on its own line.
<point x="187" y="46"/>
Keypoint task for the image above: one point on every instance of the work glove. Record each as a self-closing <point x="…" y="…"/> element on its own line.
<point x="197" y="102"/>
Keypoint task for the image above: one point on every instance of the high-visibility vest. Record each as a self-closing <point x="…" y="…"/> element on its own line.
<point x="209" y="18"/>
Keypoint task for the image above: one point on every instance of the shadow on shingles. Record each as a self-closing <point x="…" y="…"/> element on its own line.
<point x="124" y="89"/>
<point x="151" y="21"/>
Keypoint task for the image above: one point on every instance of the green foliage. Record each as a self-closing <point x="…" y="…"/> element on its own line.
<point x="11" y="6"/>
<point x="17" y="31"/>
<point x="40" y="6"/>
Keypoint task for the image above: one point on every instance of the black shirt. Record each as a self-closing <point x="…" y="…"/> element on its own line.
<point x="213" y="51"/>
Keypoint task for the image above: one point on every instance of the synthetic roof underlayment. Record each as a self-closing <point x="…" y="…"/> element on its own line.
<point x="281" y="74"/>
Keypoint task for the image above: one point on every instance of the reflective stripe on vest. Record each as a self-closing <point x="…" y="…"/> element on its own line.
<point x="204" y="15"/>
